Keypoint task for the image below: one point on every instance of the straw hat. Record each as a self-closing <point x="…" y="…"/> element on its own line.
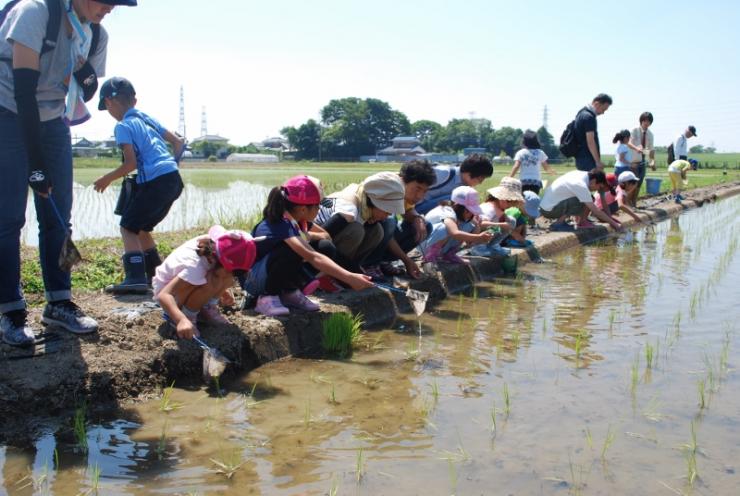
<point x="509" y="189"/>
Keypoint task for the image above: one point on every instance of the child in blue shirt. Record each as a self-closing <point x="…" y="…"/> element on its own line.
<point x="158" y="182"/>
<point x="472" y="172"/>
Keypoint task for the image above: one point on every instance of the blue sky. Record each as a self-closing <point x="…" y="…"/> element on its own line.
<point x="258" y="66"/>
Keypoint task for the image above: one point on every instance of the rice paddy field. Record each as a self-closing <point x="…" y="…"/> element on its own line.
<point x="610" y="369"/>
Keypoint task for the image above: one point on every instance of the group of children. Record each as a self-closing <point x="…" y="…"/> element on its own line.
<point x="306" y="240"/>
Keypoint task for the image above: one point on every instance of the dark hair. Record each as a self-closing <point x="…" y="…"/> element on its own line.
<point x="621" y="135"/>
<point x="207" y="248"/>
<point x="598" y="175"/>
<point x="477" y="166"/>
<point x="277" y="205"/>
<point x="420" y="171"/>
<point x="529" y="140"/>
<point x="646" y="116"/>
<point x="603" y="98"/>
<point x="459" y="211"/>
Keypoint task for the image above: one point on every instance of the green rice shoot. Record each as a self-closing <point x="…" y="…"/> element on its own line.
<point x="340" y="333"/>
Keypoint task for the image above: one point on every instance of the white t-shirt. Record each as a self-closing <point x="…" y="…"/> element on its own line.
<point x="680" y="146"/>
<point x="530" y="162"/>
<point x="622" y="148"/>
<point x="569" y="185"/>
<point x="185" y="263"/>
<point x="440" y="213"/>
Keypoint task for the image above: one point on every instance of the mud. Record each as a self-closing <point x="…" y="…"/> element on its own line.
<point x="134" y="354"/>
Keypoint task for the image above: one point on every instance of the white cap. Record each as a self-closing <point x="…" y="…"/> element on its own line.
<point x="468" y="197"/>
<point x="627" y="176"/>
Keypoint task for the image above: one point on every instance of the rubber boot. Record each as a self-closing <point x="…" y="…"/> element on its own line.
<point x="135" y="280"/>
<point x="152" y="261"/>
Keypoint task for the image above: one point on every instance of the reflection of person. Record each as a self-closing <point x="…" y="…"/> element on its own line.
<point x="528" y="160"/>
<point x="681" y="146"/>
<point x="677" y="172"/>
<point x="399" y="238"/>
<point x="452" y="226"/>
<point x="472" y="172"/>
<point x="144" y="144"/>
<point x="642" y="138"/>
<point x="39" y="92"/>
<point x="588" y="156"/>
<point x="198" y="274"/>
<point x="570" y="195"/>
<point x="278" y="278"/>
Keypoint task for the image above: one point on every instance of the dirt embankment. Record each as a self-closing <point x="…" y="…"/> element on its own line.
<point x="135" y="354"/>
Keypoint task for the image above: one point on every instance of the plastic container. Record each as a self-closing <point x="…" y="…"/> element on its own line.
<point x="652" y="186"/>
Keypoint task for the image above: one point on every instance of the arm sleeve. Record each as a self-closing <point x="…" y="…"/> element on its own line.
<point x="98" y="59"/>
<point x="27" y="25"/>
<point x="589" y="123"/>
<point x="25" y="83"/>
<point x="582" y="193"/>
<point x="123" y="134"/>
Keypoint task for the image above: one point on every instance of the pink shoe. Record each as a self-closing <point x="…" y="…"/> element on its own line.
<point x="212" y="315"/>
<point x="311" y="287"/>
<point x="432" y="254"/>
<point x="270" y="306"/>
<point x="296" y="299"/>
<point x="453" y="258"/>
<point x="586" y="224"/>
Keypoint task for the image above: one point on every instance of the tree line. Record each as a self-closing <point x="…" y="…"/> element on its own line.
<point x="351" y="127"/>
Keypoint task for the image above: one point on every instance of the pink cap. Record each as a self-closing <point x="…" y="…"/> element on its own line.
<point x="303" y="190"/>
<point x="236" y="250"/>
<point x="467" y="196"/>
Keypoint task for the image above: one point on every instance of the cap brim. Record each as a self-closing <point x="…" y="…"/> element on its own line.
<point x="393" y="207"/>
<point x="474" y="209"/>
<point x="101" y="103"/>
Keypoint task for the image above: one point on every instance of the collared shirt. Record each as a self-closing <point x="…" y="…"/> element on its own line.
<point x="681" y="146"/>
<point x="636" y="139"/>
<point x="153" y="158"/>
<point x="586" y="123"/>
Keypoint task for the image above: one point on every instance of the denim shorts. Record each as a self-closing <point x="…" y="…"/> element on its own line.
<point x="152" y="202"/>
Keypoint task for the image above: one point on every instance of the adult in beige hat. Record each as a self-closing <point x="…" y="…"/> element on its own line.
<point x="510" y="189"/>
<point x="352" y="216"/>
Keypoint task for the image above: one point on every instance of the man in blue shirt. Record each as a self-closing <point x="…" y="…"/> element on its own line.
<point x="472" y="172"/>
<point x="158" y="183"/>
<point x="588" y="156"/>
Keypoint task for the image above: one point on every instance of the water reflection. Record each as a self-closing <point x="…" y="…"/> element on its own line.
<point x="92" y="213"/>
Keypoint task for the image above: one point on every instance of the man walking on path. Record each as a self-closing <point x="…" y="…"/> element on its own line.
<point x="681" y="146"/>
<point x="588" y="156"/>
<point x="642" y="138"/>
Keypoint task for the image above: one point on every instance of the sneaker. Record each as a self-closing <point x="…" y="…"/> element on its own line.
<point x="311" y="287"/>
<point x="212" y="315"/>
<point x="432" y="254"/>
<point x="270" y="306"/>
<point x="453" y="258"/>
<point x="15" y="329"/>
<point x="561" y="227"/>
<point x="329" y="285"/>
<point x="586" y="224"/>
<point x="679" y="198"/>
<point x="296" y="299"/>
<point x="69" y="316"/>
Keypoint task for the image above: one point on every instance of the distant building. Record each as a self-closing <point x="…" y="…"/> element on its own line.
<point x="83" y="147"/>
<point x="471" y="150"/>
<point x="275" y="144"/>
<point x="403" y="146"/>
<point x="213" y="139"/>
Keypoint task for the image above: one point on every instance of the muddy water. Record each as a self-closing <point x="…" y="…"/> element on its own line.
<point x="93" y="217"/>
<point x="566" y="341"/>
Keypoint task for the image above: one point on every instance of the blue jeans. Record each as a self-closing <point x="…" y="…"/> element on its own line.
<point x="56" y="150"/>
<point x="439" y="233"/>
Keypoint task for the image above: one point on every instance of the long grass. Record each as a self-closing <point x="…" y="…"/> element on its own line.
<point x="79" y="427"/>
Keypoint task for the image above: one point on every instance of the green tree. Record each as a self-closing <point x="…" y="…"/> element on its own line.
<point x="463" y="133"/>
<point x="547" y="143"/>
<point x="306" y="139"/>
<point x="696" y="149"/>
<point x="429" y="133"/>
<point x="506" y="139"/>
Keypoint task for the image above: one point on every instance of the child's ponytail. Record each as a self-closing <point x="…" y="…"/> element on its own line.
<point x="277" y="205"/>
<point x="621" y="136"/>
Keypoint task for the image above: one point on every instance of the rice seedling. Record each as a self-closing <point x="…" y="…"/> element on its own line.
<point x="94" y="480"/>
<point x="690" y="450"/>
<point x="452" y="471"/>
<point x="649" y="354"/>
<point x="56" y="459"/>
<point x="507" y="400"/>
<point x="576" y="477"/>
<point x="359" y="465"/>
<point x="634" y="374"/>
<point x="79" y="427"/>
<point x="493" y="419"/>
<point x="651" y="411"/>
<point x="333" y="395"/>
<point x="608" y="441"/>
<point x="340" y="333"/>
<point x="701" y="385"/>
<point x="612" y="319"/>
<point x="334" y="489"/>
<point x="166" y="403"/>
<point x="677" y="323"/>
<point x="228" y="464"/>
<point x="39" y="484"/>
<point x="693" y="305"/>
<point x="162" y="444"/>
<point x="307" y="413"/>
<point x="435" y="389"/>
<point x="589" y="439"/>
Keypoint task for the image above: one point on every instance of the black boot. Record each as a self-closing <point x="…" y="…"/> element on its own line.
<point x="152" y="261"/>
<point x="135" y="279"/>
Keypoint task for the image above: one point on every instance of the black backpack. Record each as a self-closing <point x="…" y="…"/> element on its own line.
<point x="568" y="142"/>
<point x="671" y="154"/>
<point x="52" y="27"/>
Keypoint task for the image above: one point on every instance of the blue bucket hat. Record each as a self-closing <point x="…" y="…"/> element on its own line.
<point x="113" y="87"/>
<point x="531" y="204"/>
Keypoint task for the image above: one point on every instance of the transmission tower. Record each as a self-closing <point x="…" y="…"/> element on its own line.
<point x="181" y="126"/>
<point x="203" y="123"/>
<point x="544" y="117"/>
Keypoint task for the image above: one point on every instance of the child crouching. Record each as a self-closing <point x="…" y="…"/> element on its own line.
<point x="452" y="226"/>
<point x="279" y="277"/>
<point x="198" y="274"/>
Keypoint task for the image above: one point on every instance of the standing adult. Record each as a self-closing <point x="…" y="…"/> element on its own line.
<point x="681" y="146"/>
<point x="588" y="156"/>
<point x="641" y="138"/>
<point x="45" y="77"/>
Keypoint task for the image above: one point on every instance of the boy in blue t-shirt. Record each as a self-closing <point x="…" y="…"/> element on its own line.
<point x="472" y="172"/>
<point x="158" y="183"/>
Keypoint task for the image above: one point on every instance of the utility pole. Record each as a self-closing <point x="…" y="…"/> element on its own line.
<point x="544" y="117"/>
<point x="203" y="122"/>
<point x="181" y="126"/>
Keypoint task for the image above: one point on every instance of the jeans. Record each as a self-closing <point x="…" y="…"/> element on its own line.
<point x="439" y="233"/>
<point x="404" y="234"/>
<point x="56" y="150"/>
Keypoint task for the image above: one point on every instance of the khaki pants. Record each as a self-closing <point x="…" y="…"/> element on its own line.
<point x="356" y="241"/>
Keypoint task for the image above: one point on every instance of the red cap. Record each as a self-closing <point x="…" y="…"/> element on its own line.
<point x="236" y="250"/>
<point x="612" y="180"/>
<point x="303" y="190"/>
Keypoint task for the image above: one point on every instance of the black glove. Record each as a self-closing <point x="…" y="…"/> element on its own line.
<point x="88" y="80"/>
<point x="25" y="84"/>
